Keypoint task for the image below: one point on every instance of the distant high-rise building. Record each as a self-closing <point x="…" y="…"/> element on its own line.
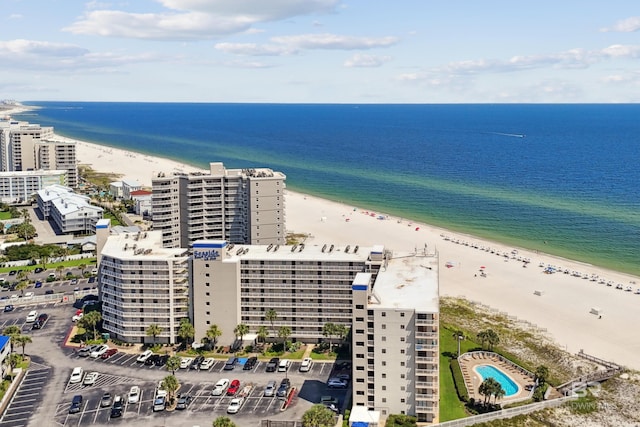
<point x="238" y="205"/>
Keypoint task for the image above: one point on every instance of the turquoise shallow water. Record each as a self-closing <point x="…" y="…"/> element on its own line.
<point x="523" y="175"/>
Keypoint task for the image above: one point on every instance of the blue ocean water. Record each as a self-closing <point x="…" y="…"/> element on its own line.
<point x="562" y="179"/>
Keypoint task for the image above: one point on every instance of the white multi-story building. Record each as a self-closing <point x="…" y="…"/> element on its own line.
<point x="243" y="206"/>
<point x="19" y="187"/>
<point x="67" y="211"/>
<point x="395" y="342"/>
<point x="58" y="155"/>
<point x="141" y="283"/>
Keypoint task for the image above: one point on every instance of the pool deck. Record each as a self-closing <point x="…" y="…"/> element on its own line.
<point x="469" y="361"/>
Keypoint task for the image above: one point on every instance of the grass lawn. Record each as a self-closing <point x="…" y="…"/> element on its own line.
<point x="451" y="408"/>
<point x="5" y="215"/>
<point x="109" y="215"/>
<point x="323" y="356"/>
<point x="89" y="262"/>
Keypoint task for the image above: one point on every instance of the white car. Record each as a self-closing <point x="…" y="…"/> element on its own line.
<point x="284" y="365"/>
<point x="76" y="375"/>
<point x="102" y="349"/>
<point x="134" y="394"/>
<point x="77" y="317"/>
<point x="185" y="362"/>
<point x="235" y="405"/>
<point x="220" y="387"/>
<point x="207" y="363"/>
<point x="144" y="356"/>
<point x="28" y="295"/>
<point x="91" y="378"/>
<point x="32" y="316"/>
<point x="306" y="364"/>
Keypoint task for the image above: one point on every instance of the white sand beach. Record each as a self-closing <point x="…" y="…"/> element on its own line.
<point x="562" y="308"/>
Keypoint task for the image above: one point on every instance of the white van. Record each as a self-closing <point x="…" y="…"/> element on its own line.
<point x="32" y="316"/>
<point x="284" y="365"/>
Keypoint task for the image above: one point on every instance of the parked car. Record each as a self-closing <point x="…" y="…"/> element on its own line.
<point x="220" y="387"/>
<point x="76" y="375"/>
<point x="270" y="388"/>
<point x="32" y="316"/>
<point x="91" y="378"/>
<point x="28" y="295"/>
<point x="76" y="404"/>
<point x="159" y="403"/>
<point x="8" y="308"/>
<point x="161" y="360"/>
<point x="38" y="270"/>
<point x="283" y="389"/>
<point x="86" y="351"/>
<point x="99" y="351"/>
<point x="328" y="401"/>
<point x="106" y="401"/>
<point x="284" y="365"/>
<point x="272" y="365"/>
<point x="185" y="362"/>
<point x="152" y="359"/>
<point x="207" y="363"/>
<point x="235" y="405"/>
<point x="183" y="401"/>
<point x="233" y="387"/>
<point x="337" y="383"/>
<point x="116" y="409"/>
<point x="230" y="363"/>
<point x="92" y="279"/>
<point x="38" y="284"/>
<point x="250" y="363"/>
<point x="144" y="356"/>
<point x="195" y="364"/>
<point x="306" y="364"/>
<point x="40" y="321"/>
<point x="107" y="354"/>
<point x="134" y="394"/>
<point x="49" y="292"/>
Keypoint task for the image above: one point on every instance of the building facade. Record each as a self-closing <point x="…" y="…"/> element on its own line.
<point x="58" y="155"/>
<point x="307" y="286"/>
<point x="395" y="340"/>
<point x="244" y="206"/>
<point x="141" y="283"/>
<point x="68" y="212"/>
<point x="19" y="187"/>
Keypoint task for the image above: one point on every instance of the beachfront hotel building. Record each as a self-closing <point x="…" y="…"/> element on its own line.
<point x="58" y="155"/>
<point x="395" y="342"/>
<point x="19" y="187"/>
<point x="141" y="283"/>
<point x="243" y="206"/>
<point x="68" y="212"/>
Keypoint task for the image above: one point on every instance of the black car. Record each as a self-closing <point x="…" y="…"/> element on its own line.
<point x="116" y="409"/>
<point x="13" y="272"/>
<point x="48" y="292"/>
<point x="284" y="388"/>
<point x="92" y="279"/>
<point x="272" y="365"/>
<point x="38" y="270"/>
<point x="196" y="362"/>
<point x="250" y="363"/>
<point x="8" y="308"/>
<point x="40" y="321"/>
<point x="161" y="360"/>
<point x="152" y="360"/>
<point x="76" y="403"/>
<point x="183" y="401"/>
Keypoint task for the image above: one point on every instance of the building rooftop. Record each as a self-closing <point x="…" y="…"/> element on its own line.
<point x="144" y="245"/>
<point x="409" y="281"/>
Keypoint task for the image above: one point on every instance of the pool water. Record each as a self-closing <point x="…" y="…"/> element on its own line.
<point x="487" y="371"/>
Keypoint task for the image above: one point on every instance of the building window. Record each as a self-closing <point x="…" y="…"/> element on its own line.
<point x="360" y="393"/>
<point x="384" y="338"/>
<point x="208" y="313"/>
<point x="384" y="400"/>
<point x="402" y="376"/>
<point x="359" y="343"/>
<point x="206" y="265"/>
<point x="207" y="294"/>
<point x="359" y="331"/>
<point x="402" y="388"/>
<point x="384" y="387"/>
<point x="384" y="314"/>
<point x="359" y="356"/>
<point x="359" y="307"/>
<point x="207" y="303"/>
<point x="401" y="326"/>
<point x="402" y="351"/>
<point x="402" y="401"/>
<point x="384" y="326"/>
<point x="401" y="363"/>
<point x="384" y="351"/>
<point x="359" y="319"/>
<point x="384" y="363"/>
<point x="360" y="380"/>
<point x="384" y="375"/>
<point x="401" y="338"/>
<point x="206" y="274"/>
<point x="207" y="284"/>
<point x="401" y="314"/>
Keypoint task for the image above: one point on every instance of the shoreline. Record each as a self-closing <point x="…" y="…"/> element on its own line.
<point x="558" y="303"/>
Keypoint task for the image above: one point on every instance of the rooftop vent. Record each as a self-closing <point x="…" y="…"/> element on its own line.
<point x="346" y="250"/>
<point x="324" y="248"/>
<point x="294" y="247"/>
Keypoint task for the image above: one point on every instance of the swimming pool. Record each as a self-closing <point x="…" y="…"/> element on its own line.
<point x="488" y="371"/>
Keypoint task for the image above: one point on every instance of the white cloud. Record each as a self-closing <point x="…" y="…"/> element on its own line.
<point x="193" y="19"/>
<point x="21" y="47"/>
<point x="253" y="49"/>
<point x="362" y="60"/>
<point x="334" y="41"/>
<point x="15" y="16"/>
<point x="628" y="25"/>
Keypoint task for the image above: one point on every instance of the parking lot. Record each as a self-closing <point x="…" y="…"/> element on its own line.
<point x="46" y="392"/>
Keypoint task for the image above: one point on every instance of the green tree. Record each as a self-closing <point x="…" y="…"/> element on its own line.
<point x="13" y="360"/>
<point x="318" y="416"/>
<point x="240" y="331"/>
<point x="271" y="315"/>
<point x="492" y="339"/>
<point x="213" y="333"/>
<point x="12" y="332"/>
<point x="186" y="330"/>
<point x="21" y="286"/>
<point x="25" y="214"/>
<point x="82" y="268"/>
<point x="483" y="337"/>
<point x="490" y="387"/>
<point x="22" y="341"/>
<point x="329" y="330"/>
<point x="284" y="332"/>
<point x="89" y="321"/>
<point x="397" y="420"/>
<point x="173" y="364"/>
<point x="542" y="374"/>
<point x="153" y="330"/>
<point x="171" y="384"/>
<point x="342" y="331"/>
<point x="262" y="333"/>
<point x="223" y="422"/>
<point x="44" y="260"/>
<point x="25" y="230"/>
<point x="59" y="270"/>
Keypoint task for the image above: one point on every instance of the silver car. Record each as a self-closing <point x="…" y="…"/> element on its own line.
<point x="270" y="389"/>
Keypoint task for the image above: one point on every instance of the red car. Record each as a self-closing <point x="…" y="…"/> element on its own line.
<point x="233" y="388"/>
<point x="107" y="354"/>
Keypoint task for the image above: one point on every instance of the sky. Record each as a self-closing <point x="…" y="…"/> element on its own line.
<point x="321" y="51"/>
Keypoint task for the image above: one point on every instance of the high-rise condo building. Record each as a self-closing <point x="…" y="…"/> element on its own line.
<point x="237" y="205"/>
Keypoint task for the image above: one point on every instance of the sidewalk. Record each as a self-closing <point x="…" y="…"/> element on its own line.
<point x="307" y="352"/>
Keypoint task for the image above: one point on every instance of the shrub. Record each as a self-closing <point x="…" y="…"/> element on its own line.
<point x="458" y="380"/>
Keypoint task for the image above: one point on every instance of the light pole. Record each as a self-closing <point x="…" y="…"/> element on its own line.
<point x="459" y="337"/>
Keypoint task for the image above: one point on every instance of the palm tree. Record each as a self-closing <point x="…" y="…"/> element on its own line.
<point x="171" y="384"/>
<point x="284" y="332"/>
<point x="59" y="270"/>
<point x="492" y="338"/>
<point x="223" y="422"/>
<point x="485" y="389"/>
<point x="240" y="331"/>
<point x="173" y="364"/>
<point x="213" y="333"/>
<point x="271" y="315"/>
<point x="153" y="330"/>
<point x="25" y="214"/>
<point x="82" y="268"/>
<point x="318" y="416"/>
<point x="13" y="360"/>
<point x="44" y="260"/>
<point x="23" y="340"/>
<point x="12" y="332"/>
<point x="542" y="373"/>
<point x="90" y="320"/>
<point x="483" y="337"/>
<point x="186" y="331"/>
<point x="262" y="333"/>
<point x="459" y="336"/>
<point x="342" y="331"/>
<point x="21" y="286"/>
<point x="498" y="392"/>
<point x="329" y="330"/>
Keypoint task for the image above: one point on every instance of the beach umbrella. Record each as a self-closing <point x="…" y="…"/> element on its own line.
<point x="482" y="267"/>
<point x="417" y="228"/>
